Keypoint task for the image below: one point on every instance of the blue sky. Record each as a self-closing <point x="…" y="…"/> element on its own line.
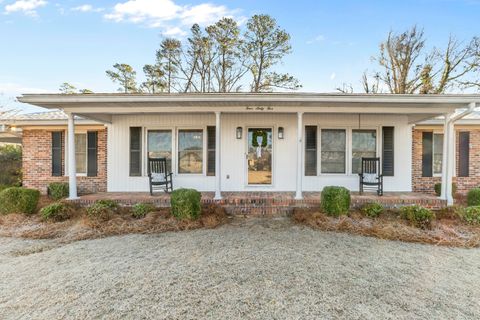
<point x="45" y="43"/>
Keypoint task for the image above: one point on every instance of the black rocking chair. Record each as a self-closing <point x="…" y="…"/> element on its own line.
<point x="158" y="176"/>
<point x="371" y="177"/>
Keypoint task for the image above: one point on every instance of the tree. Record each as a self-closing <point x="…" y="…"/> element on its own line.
<point x="154" y="82"/>
<point x="266" y="45"/>
<point x="124" y="75"/>
<point x="228" y="66"/>
<point x="168" y="56"/>
<point x="85" y="91"/>
<point x="407" y="68"/>
<point x="67" y="88"/>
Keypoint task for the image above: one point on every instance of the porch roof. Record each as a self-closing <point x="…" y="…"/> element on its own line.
<point x="101" y="106"/>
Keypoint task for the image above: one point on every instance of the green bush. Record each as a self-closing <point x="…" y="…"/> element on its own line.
<point x="102" y="209"/>
<point x="470" y="215"/>
<point x="57" y="211"/>
<point x="372" y="209"/>
<point x="418" y="216"/>
<point x="18" y="200"/>
<point x="335" y="200"/>
<point x="473" y="197"/>
<point x="140" y="210"/>
<point x="438" y="189"/>
<point x="186" y="203"/>
<point x="58" y="190"/>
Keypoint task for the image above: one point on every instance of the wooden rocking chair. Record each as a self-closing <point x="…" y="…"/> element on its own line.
<point x="371" y="176"/>
<point x="158" y="176"/>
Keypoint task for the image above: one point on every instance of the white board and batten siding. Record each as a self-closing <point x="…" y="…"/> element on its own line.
<point x="233" y="159"/>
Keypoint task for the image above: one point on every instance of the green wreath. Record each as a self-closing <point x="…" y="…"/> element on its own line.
<point x="259" y="133"/>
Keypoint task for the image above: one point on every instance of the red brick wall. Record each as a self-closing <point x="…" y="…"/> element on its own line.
<point x="37" y="163"/>
<point x="426" y="184"/>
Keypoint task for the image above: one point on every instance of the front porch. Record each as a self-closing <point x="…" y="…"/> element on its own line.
<point x="270" y="203"/>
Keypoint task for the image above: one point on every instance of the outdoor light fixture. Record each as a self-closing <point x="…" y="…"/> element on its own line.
<point x="280" y="132"/>
<point x="239" y="132"/>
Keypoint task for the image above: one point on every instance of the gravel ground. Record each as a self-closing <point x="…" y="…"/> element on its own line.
<point x="248" y="269"/>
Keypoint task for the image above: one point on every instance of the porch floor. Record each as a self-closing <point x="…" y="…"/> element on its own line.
<point x="266" y="203"/>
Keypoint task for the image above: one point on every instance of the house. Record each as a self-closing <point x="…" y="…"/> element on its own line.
<point x="237" y="142"/>
<point x="428" y="141"/>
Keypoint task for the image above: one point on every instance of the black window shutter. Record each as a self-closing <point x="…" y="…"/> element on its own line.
<point x="211" y="141"/>
<point x="310" y="150"/>
<point x="464" y="154"/>
<point x="56" y="154"/>
<point x="92" y="152"/>
<point x="388" y="151"/>
<point x="427" y="141"/>
<point x="135" y="151"/>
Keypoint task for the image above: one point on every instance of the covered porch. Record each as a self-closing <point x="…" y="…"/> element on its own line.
<point x="283" y="118"/>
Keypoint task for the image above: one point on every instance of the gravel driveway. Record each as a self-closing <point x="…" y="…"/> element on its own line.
<point x="248" y="269"/>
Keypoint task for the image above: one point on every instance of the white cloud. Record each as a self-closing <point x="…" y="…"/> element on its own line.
<point x="168" y="15"/>
<point x="318" y="38"/>
<point x="27" y="7"/>
<point x="333" y="76"/>
<point x="87" y="8"/>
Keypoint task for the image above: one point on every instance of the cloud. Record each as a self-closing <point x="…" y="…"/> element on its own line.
<point x="27" y="7"/>
<point x="318" y="38"/>
<point x="168" y="15"/>
<point x="87" y="8"/>
<point x="333" y="76"/>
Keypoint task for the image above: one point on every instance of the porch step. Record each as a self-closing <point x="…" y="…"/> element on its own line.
<point x="270" y="203"/>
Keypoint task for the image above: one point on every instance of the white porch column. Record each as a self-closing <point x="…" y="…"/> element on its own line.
<point x="298" y="193"/>
<point x="443" y="193"/>
<point x="218" y="172"/>
<point x="450" y="162"/>
<point x="72" y="165"/>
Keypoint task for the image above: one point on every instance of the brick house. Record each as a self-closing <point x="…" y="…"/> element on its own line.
<point x="277" y="142"/>
<point x="427" y="152"/>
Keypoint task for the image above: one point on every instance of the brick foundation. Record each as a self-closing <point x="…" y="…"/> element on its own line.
<point x="37" y="163"/>
<point x="426" y="184"/>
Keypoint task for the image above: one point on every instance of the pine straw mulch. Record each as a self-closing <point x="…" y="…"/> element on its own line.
<point x="447" y="230"/>
<point x="80" y="227"/>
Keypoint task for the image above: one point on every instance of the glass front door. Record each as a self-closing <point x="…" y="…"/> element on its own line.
<point x="259" y="156"/>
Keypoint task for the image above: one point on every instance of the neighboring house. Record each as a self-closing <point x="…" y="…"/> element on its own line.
<point x="10" y="135"/>
<point x="428" y="141"/>
<point x="232" y="142"/>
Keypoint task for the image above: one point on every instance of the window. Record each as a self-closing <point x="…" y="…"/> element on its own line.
<point x="135" y="151"/>
<point x="81" y="152"/>
<point x="437" y="152"/>
<point x="333" y="150"/>
<point x="159" y="144"/>
<point x="364" y="145"/>
<point x="311" y="150"/>
<point x="190" y="151"/>
<point x="211" y="140"/>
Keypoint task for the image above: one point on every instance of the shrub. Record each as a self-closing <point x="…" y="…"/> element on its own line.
<point x="102" y="209"/>
<point x="335" y="200"/>
<point x="438" y="189"/>
<point x="57" y="211"/>
<point x="473" y="197"/>
<point x="470" y="215"/>
<point x="58" y="190"/>
<point x="140" y="210"/>
<point x="186" y="203"/>
<point x="418" y="216"/>
<point x="18" y="200"/>
<point x="372" y="209"/>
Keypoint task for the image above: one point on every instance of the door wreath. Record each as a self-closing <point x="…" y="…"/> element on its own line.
<point x="259" y="133"/>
